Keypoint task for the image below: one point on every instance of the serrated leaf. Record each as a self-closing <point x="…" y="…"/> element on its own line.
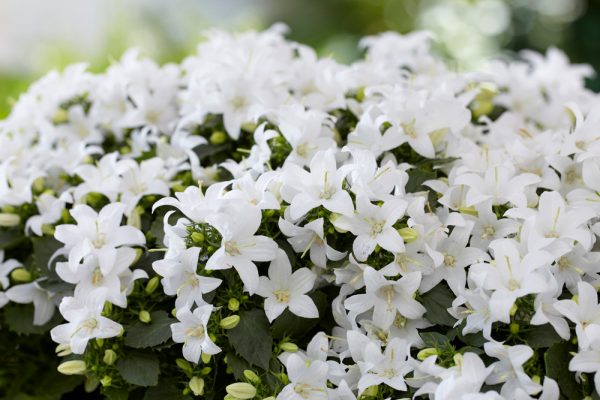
<point x="556" y="360"/>
<point x="436" y="302"/>
<point x="251" y="339"/>
<point x="539" y="337"/>
<point x="139" y="368"/>
<point x="436" y="340"/>
<point x="158" y="331"/>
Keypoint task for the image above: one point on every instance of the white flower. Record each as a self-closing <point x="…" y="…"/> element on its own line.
<point x="42" y="300"/>
<point x="311" y="238"/>
<point x="50" y="210"/>
<point x="588" y="360"/>
<point x="240" y="247"/>
<point x="387" y="298"/>
<point x="97" y="234"/>
<point x="283" y="289"/>
<point x="138" y="180"/>
<point x="388" y="367"/>
<point x="85" y="321"/>
<point x="307" y="380"/>
<point x="373" y="225"/>
<point x="193" y="333"/>
<point x="322" y="186"/>
<point x="181" y="278"/>
<point x="585" y="312"/>
<point x="6" y="266"/>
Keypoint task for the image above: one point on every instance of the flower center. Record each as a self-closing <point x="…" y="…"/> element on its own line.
<point x="232" y="249"/>
<point x="282" y="296"/>
<point x="488" y="231"/>
<point x="196" y="332"/>
<point x="97" y="277"/>
<point x="449" y="260"/>
<point x="377" y="227"/>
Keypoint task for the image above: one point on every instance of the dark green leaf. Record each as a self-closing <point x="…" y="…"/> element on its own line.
<point x="472" y="339"/>
<point x="541" y="336"/>
<point x="43" y="249"/>
<point x="19" y="318"/>
<point x="251" y="339"/>
<point x="11" y="237"/>
<point x="158" y="331"/>
<point x="139" y="368"/>
<point x="416" y="177"/>
<point x="557" y="359"/>
<point x="113" y="393"/>
<point x="238" y="365"/>
<point x="471" y="349"/>
<point x="207" y="150"/>
<point x="436" y="340"/>
<point x="436" y="302"/>
<point x="164" y="390"/>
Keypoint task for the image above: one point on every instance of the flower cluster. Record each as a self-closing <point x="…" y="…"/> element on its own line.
<point x="259" y="222"/>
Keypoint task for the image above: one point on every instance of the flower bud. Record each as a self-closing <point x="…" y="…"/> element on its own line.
<point x="425" y="353"/>
<point x="371" y="391"/>
<point x="106" y="380"/>
<point x="72" y="367"/>
<point x="38" y="185"/>
<point x="63" y="350"/>
<point x="251" y="376"/>
<point x="100" y="342"/>
<point x="241" y="390"/>
<point x="61" y="116"/>
<point x="233" y="304"/>
<point x="513" y="310"/>
<point x="409" y="235"/>
<point x="230" y="322"/>
<point x="289" y="347"/>
<point x="197" y="386"/>
<point x="138" y="254"/>
<point x="514" y="328"/>
<point x="9" y="219"/>
<point x="457" y="359"/>
<point x="205" y="358"/>
<point x="109" y="357"/>
<point x="144" y="316"/>
<point x="48" y="229"/>
<point x="152" y="285"/>
<point x="184" y="365"/>
<point x="197" y="237"/>
<point x="218" y="137"/>
<point x="90" y="384"/>
<point x="21" y="275"/>
<point x="135" y="218"/>
<point x="206" y="370"/>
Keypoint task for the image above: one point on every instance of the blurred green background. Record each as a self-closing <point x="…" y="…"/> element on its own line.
<point x="39" y="35"/>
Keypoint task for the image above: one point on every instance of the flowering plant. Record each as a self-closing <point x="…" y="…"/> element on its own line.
<point x="259" y="222"/>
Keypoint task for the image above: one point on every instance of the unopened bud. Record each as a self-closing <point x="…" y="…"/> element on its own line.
<point x="206" y="370"/>
<point x="288" y="347"/>
<point x="72" y="367"/>
<point x="409" y="235"/>
<point x="152" y="285"/>
<point x="425" y="353"/>
<point x="106" y="381"/>
<point x="241" y="390"/>
<point x="38" y="185"/>
<point x="197" y="386"/>
<point x="60" y="117"/>
<point x="513" y="310"/>
<point x="371" y="391"/>
<point x="138" y="254"/>
<point x="233" y="304"/>
<point x="205" y="358"/>
<point x="457" y="359"/>
<point x="218" y="137"/>
<point x="514" y="328"/>
<point x="251" y="376"/>
<point x="230" y="322"/>
<point x="21" y="275"/>
<point x="63" y="350"/>
<point x="90" y="384"/>
<point x="135" y="218"/>
<point x="9" y="219"/>
<point x="184" y="365"/>
<point x="198" y="237"/>
<point x="144" y="316"/>
<point x="109" y="357"/>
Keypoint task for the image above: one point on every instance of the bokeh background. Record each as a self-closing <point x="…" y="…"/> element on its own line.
<point x="39" y="35"/>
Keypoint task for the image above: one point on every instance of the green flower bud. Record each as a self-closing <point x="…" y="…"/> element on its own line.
<point x="174" y="312"/>
<point x="218" y="137"/>
<point x="152" y="285"/>
<point x="20" y="275"/>
<point x="513" y="310"/>
<point x="197" y="386"/>
<point x="206" y="370"/>
<point x="90" y="384"/>
<point x="73" y="367"/>
<point x="100" y="342"/>
<point x="106" y="381"/>
<point x="229" y="397"/>
<point x="38" y="185"/>
<point x="60" y="117"/>
<point x="428" y="352"/>
<point x="230" y="322"/>
<point x="144" y="316"/>
<point x="135" y="218"/>
<point x="184" y="365"/>
<point x="205" y="358"/>
<point x="109" y="357"/>
<point x="457" y="359"/>
<point x="233" y="304"/>
<point x="514" y="328"/>
<point x="9" y="219"/>
<point x="409" y="235"/>
<point x="289" y="347"/>
<point x="48" y="229"/>
<point x="536" y="379"/>
<point x="138" y="254"/>
<point x="241" y="390"/>
<point x="198" y="237"/>
<point x="251" y="376"/>
<point x="107" y="310"/>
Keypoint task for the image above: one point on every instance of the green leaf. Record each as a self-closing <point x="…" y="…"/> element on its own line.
<point x="416" y="177"/>
<point x="289" y="324"/>
<point x="557" y="359"/>
<point x="11" y="237"/>
<point x="164" y="390"/>
<point x="436" y="302"/>
<point x="238" y="365"/>
<point x="139" y="368"/>
<point x="436" y="340"/>
<point x="113" y="393"/>
<point x="43" y="249"/>
<point x="251" y="339"/>
<point x="158" y="331"/>
<point x="19" y="318"/>
<point x="542" y="336"/>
